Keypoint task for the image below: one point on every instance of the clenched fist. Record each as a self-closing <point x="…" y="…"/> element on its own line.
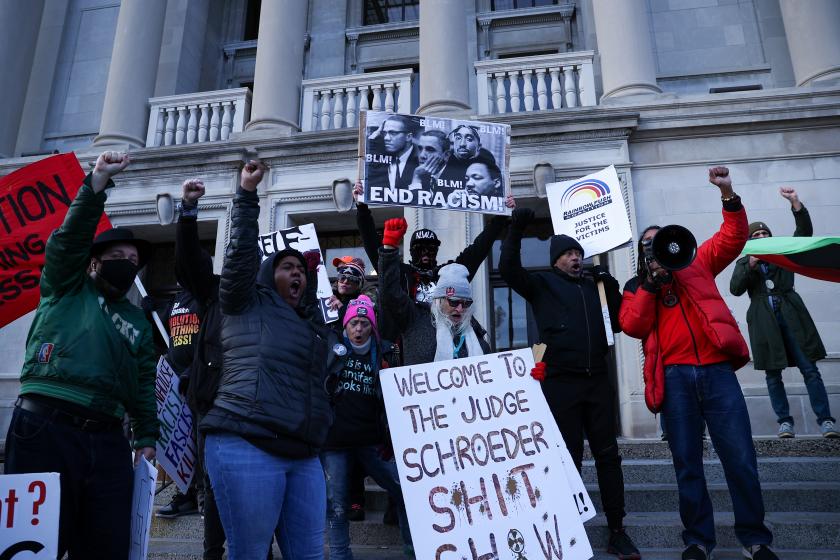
<point x="395" y="228"/>
<point x="719" y="176"/>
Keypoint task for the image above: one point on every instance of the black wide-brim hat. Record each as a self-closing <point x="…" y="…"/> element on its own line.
<point x="122" y="235"/>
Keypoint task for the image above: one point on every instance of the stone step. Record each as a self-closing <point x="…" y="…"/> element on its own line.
<point x="800" y="446"/>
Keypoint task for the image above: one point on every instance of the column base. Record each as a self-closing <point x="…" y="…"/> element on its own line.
<point x="632" y="89"/>
<point x="117" y="140"/>
<point x="443" y="107"/>
<point x="269" y="127"/>
<point x="828" y="75"/>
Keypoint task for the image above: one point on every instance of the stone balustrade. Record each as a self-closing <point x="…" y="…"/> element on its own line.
<point x="535" y="83"/>
<point x="335" y="102"/>
<point x="193" y="118"/>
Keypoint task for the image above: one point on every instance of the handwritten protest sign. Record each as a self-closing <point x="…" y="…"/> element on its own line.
<point x="142" y="500"/>
<point x="33" y="202"/>
<point x="434" y="162"/>
<point x="175" y="448"/>
<point x="29" y="509"/>
<point x="304" y="239"/>
<point x="480" y="462"/>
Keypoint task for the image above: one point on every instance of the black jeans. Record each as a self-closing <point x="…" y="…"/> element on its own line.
<point x="96" y="481"/>
<point x="586" y="405"/>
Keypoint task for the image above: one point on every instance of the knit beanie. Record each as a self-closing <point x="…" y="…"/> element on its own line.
<point x="280" y="255"/>
<point x="758" y="226"/>
<point x="560" y="244"/>
<point x="453" y="281"/>
<point x="362" y="306"/>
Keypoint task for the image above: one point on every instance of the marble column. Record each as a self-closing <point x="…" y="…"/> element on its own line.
<point x="444" y="83"/>
<point x="813" y="39"/>
<point x="625" y="47"/>
<point x="132" y="74"/>
<point x="275" y="107"/>
<point x="19" y="25"/>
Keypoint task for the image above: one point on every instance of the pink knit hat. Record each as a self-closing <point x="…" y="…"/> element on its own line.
<point x="362" y="306"/>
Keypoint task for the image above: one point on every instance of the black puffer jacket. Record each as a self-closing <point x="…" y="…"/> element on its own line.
<point x="273" y="387"/>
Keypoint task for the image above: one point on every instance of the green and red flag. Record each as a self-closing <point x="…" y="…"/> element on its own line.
<point x="817" y="257"/>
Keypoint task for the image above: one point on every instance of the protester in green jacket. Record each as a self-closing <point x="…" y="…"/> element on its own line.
<point x="89" y="360"/>
<point x="782" y="333"/>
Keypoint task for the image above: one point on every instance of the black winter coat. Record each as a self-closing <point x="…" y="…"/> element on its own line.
<point x="567" y="311"/>
<point x="274" y="377"/>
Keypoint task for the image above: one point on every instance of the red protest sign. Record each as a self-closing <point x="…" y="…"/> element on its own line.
<point x="33" y="202"/>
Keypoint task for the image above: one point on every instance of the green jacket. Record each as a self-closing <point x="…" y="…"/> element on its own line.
<point x="768" y="348"/>
<point x="82" y="348"/>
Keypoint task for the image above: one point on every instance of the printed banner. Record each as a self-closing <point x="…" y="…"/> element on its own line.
<point x="142" y="500"/>
<point x="591" y="210"/>
<point x="304" y="239"/>
<point x="175" y="448"/>
<point x="433" y="162"/>
<point x="33" y="202"/>
<point x="29" y="509"/>
<point x="481" y="461"/>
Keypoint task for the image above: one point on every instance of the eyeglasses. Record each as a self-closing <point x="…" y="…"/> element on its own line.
<point x="349" y="278"/>
<point x="455" y="302"/>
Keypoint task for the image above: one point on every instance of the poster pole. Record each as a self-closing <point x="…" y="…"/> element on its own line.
<point x="605" y="310"/>
<point x="155" y="315"/>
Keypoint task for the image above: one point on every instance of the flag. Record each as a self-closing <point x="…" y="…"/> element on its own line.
<point x="816" y="257"/>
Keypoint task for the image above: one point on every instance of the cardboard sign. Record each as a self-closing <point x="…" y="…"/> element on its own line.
<point x="304" y="239"/>
<point x="481" y="461"/>
<point x="591" y="210"/>
<point x="142" y="500"/>
<point x="29" y="510"/>
<point x="175" y="448"/>
<point x="33" y="203"/>
<point x="434" y="162"/>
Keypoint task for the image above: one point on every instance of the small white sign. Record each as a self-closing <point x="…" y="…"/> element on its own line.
<point x="142" y="500"/>
<point x="29" y="510"/>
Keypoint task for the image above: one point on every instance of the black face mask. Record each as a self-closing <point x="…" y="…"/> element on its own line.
<point x="119" y="273"/>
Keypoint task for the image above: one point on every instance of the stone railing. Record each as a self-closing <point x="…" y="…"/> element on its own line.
<point x="193" y="118"/>
<point x="535" y="83"/>
<point x="330" y="103"/>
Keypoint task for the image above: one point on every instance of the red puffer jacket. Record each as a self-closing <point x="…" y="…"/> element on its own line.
<point x="703" y="316"/>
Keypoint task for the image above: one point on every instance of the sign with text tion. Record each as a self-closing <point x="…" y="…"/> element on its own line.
<point x="591" y="210"/>
<point x="29" y="510"/>
<point x="175" y="448"/>
<point x="304" y="239"/>
<point x="480" y="462"/>
<point x="33" y="202"/>
<point x="142" y="500"/>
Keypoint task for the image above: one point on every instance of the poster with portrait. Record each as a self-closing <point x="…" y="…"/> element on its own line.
<point x="434" y="162"/>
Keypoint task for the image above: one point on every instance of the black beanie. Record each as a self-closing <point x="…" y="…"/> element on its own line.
<point x="280" y="255"/>
<point x="560" y="244"/>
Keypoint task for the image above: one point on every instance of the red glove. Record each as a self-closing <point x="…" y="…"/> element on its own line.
<point x="538" y="372"/>
<point x="395" y="228"/>
<point x="313" y="259"/>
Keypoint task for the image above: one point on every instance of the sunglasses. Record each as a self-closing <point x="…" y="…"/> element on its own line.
<point x="455" y="302"/>
<point x="349" y="278"/>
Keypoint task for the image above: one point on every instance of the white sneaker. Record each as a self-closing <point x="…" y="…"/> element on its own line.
<point x="829" y="430"/>
<point x="786" y="429"/>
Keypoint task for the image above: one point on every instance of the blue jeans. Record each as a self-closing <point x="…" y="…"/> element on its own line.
<point x="336" y="467"/>
<point x="694" y="394"/>
<point x="258" y="493"/>
<point x="810" y="373"/>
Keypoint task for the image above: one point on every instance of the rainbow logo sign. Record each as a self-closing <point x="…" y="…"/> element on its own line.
<point x="589" y="190"/>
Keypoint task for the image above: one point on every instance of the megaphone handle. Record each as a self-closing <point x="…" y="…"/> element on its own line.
<point x="605" y="309"/>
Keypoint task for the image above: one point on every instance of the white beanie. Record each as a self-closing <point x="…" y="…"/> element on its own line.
<point x="453" y="282"/>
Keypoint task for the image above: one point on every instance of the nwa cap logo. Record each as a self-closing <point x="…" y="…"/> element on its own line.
<point x="425" y="234"/>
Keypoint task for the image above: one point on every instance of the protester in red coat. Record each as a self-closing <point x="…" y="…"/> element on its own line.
<point x="692" y="348"/>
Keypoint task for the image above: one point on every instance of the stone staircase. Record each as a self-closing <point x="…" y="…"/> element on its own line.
<point x="800" y="483"/>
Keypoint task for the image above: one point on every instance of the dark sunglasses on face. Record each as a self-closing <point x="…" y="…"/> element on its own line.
<point x="349" y="278"/>
<point x="455" y="302"/>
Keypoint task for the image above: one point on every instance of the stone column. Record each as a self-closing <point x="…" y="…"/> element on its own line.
<point x="19" y="24"/>
<point x="813" y="39"/>
<point x="624" y="43"/>
<point x="132" y="74"/>
<point x="444" y="84"/>
<point x="279" y="68"/>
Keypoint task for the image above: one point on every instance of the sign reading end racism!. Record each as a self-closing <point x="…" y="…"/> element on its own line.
<point x="481" y="462"/>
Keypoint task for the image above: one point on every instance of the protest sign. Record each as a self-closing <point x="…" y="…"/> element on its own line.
<point x="434" y="162"/>
<point x="591" y="210"/>
<point x="142" y="500"/>
<point x="175" y="447"/>
<point x="480" y="462"/>
<point x="29" y="510"/>
<point x="33" y="202"/>
<point x="304" y="239"/>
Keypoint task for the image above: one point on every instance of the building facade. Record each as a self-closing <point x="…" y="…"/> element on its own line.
<point x="662" y="89"/>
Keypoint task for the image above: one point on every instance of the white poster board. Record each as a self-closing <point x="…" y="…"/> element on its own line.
<point x="142" y="500"/>
<point x="175" y="448"/>
<point x="481" y="461"/>
<point x="29" y="510"/>
<point x="304" y="239"/>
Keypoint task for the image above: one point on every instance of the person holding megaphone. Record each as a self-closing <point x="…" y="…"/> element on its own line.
<point x="692" y="349"/>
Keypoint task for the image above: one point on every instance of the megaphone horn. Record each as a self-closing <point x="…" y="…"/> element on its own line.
<point x="674" y="247"/>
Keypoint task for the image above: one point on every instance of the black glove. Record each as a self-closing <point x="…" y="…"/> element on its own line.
<point x="521" y="217"/>
<point x="183" y="384"/>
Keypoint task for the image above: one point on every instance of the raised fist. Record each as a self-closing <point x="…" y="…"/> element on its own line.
<point x="789" y="193"/>
<point x="252" y="174"/>
<point x="107" y="165"/>
<point x="521" y="217"/>
<point x="719" y="176"/>
<point x="192" y="190"/>
<point x="395" y="228"/>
